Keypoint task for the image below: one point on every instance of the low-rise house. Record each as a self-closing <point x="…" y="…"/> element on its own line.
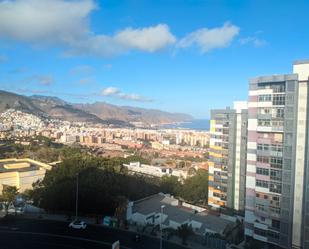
<point x="157" y="171"/>
<point x="174" y="213"/>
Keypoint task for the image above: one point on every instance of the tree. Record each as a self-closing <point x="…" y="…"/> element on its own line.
<point x="170" y="185"/>
<point x="101" y="181"/>
<point x="9" y="194"/>
<point x="195" y="188"/>
<point x="184" y="231"/>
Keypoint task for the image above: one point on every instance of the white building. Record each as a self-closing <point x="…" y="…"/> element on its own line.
<point x="147" y="211"/>
<point x="156" y="171"/>
<point x="21" y="173"/>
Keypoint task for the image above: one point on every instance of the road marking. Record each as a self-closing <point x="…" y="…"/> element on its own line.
<point x="65" y="237"/>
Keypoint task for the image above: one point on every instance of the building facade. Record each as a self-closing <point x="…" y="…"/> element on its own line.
<point x="21" y="173"/>
<point x="227" y="157"/>
<point x="277" y="164"/>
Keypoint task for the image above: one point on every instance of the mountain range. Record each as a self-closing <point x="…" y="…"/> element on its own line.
<point x="98" y="112"/>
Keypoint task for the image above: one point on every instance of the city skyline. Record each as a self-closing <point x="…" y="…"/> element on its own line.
<point x="95" y="51"/>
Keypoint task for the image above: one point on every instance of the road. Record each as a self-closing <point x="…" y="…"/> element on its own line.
<point x="21" y="233"/>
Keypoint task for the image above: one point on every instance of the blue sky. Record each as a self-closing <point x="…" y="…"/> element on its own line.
<point x="179" y="56"/>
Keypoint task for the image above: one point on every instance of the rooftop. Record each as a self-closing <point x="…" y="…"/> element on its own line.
<point x="21" y="165"/>
<point x="297" y="62"/>
<point x="179" y="213"/>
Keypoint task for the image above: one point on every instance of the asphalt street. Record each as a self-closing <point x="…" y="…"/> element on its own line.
<point x="21" y="233"/>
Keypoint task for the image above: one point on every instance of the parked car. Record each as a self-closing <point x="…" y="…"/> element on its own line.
<point x="137" y="238"/>
<point x="78" y="224"/>
<point x="19" y="210"/>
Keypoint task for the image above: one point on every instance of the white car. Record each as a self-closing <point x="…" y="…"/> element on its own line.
<point x="78" y="224"/>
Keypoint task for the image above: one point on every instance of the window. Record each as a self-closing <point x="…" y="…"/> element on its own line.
<point x="262" y="159"/>
<point x="279" y="112"/>
<point x="278" y="88"/>
<point x="276" y="147"/>
<point x="275" y="198"/>
<point x="278" y="138"/>
<point x="262" y="171"/>
<point x="261" y="183"/>
<point x="276" y="162"/>
<point x="260" y="232"/>
<point x="264" y="122"/>
<point x="264" y="97"/>
<point x="275" y="187"/>
<point x="275" y="175"/>
<point x="264" y="110"/>
<point x="273" y="234"/>
<point x="263" y="146"/>
<point x="279" y="99"/>
<point x="275" y="224"/>
<point x="277" y="123"/>
<point x="260" y="207"/>
<point x="275" y="210"/>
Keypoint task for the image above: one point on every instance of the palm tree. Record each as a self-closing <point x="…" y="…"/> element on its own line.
<point x="184" y="231"/>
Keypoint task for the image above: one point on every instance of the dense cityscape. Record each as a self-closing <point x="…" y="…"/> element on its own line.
<point x="212" y="153"/>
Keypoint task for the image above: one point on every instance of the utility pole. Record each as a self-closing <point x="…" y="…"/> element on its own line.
<point x="76" y="204"/>
<point x="161" y="235"/>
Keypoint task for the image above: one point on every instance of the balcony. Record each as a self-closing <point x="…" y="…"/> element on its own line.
<point x="276" y="153"/>
<point x="270" y="128"/>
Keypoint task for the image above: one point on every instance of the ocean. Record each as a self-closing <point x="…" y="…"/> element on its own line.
<point x="196" y="124"/>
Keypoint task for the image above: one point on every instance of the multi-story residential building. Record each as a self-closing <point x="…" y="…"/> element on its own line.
<point x="277" y="187"/>
<point x="227" y="155"/>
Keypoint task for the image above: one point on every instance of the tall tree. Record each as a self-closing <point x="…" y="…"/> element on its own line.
<point x="9" y="194"/>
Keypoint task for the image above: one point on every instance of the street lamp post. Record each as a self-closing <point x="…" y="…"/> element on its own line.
<point x="162" y="207"/>
<point x="76" y="204"/>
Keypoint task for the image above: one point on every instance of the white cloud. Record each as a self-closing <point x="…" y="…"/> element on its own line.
<point x="41" y="21"/>
<point x="257" y="42"/>
<point x="117" y="93"/>
<point x="110" y="91"/>
<point x="148" y="39"/>
<point x="66" y="23"/>
<point x="208" y="39"/>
